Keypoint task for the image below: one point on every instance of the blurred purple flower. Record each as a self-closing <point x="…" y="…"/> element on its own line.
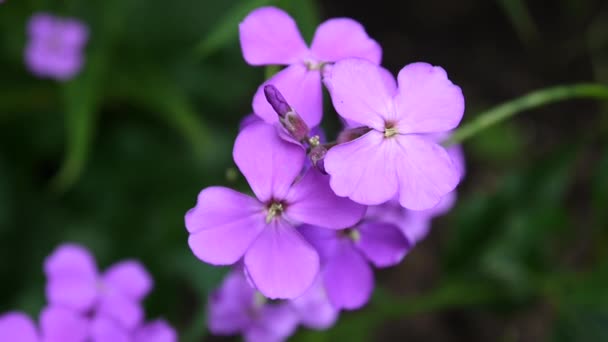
<point x="74" y="282"/>
<point x="346" y="255"/>
<point x="314" y="309"/>
<point x="56" y="325"/>
<point x="269" y="36"/>
<point x="396" y="157"/>
<point x="55" y="45"/>
<point x="236" y="308"/>
<point x="105" y="329"/>
<point x="226" y="225"/>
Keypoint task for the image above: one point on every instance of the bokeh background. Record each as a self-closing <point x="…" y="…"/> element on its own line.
<point x="115" y="157"/>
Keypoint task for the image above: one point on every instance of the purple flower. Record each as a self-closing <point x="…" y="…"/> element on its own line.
<point x="226" y="225"/>
<point x="56" y="325"/>
<point x="55" y="46"/>
<point x="104" y="329"/>
<point x="346" y="255"/>
<point x="236" y="308"/>
<point x="314" y="309"/>
<point x="74" y="282"/>
<point x="397" y="156"/>
<point x="269" y="36"/>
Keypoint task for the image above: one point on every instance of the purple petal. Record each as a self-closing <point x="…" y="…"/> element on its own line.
<point x="41" y="26"/>
<point x="269" y="163"/>
<point x="340" y="38"/>
<point x="416" y="224"/>
<point x="104" y="329"/>
<point x="280" y="262"/>
<point x="248" y="120"/>
<point x="300" y="87"/>
<point x="71" y="277"/>
<point x="156" y="331"/>
<point x="130" y="278"/>
<point x="17" y="326"/>
<point x="229" y="306"/>
<point x="457" y="155"/>
<point x="427" y="101"/>
<point x="348" y="278"/>
<point x="324" y="240"/>
<point x="223" y="224"/>
<point x="359" y="92"/>
<point x="314" y="309"/>
<point x="63" y="325"/>
<point x="425" y="172"/>
<point x="312" y="201"/>
<point x="382" y="243"/>
<point x="268" y="35"/>
<point x="73" y="33"/>
<point x="275" y="323"/>
<point x="364" y="169"/>
<point x="124" y="310"/>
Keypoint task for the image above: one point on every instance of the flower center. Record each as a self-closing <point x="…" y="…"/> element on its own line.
<point x="274" y="209"/>
<point x="350" y="233"/>
<point x="390" y="130"/>
<point x="314" y="65"/>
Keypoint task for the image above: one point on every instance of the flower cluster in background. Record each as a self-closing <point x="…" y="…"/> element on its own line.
<point x="323" y="214"/>
<point x="86" y="305"/>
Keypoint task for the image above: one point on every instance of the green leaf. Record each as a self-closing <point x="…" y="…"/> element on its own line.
<point x="226" y="30"/>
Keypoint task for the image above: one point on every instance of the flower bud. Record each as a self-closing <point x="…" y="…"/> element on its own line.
<point x="288" y="117"/>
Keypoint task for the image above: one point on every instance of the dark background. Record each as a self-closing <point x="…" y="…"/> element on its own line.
<point x="114" y="158"/>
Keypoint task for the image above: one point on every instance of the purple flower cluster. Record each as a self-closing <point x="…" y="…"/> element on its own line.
<point x="323" y="215"/>
<point x="55" y="45"/>
<point x="85" y="305"/>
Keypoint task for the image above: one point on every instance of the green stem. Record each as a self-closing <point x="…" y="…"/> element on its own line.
<point x="529" y="101"/>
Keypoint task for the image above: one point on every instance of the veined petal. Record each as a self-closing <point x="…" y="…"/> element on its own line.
<point x="302" y="90"/>
<point x="364" y="169"/>
<point x="281" y="263"/>
<point x="130" y="278"/>
<point x="426" y="172"/>
<point x="382" y="243"/>
<point x="359" y="92"/>
<point x="268" y="35"/>
<point x="269" y="163"/>
<point x="17" y="326"/>
<point x="311" y="201"/>
<point x="340" y="38"/>
<point x="59" y="324"/>
<point x="71" y="277"/>
<point x="427" y="101"/>
<point x="348" y="278"/>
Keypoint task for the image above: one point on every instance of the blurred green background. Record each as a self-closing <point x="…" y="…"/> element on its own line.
<point x="115" y="157"/>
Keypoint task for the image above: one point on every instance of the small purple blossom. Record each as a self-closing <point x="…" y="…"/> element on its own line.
<point x="396" y="157"/>
<point x="226" y="226"/>
<point x="269" y="36"/>
<point x="74" y="282"/>
<point x="56" y="325"/>
<point x="55" y="45"/>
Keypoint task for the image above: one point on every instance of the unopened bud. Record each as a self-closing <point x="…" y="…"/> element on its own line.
<point x="317" y="156"/>
<point x="289" y="118"/>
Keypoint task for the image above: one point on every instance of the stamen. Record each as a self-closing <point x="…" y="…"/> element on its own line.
<point x="390" y="130"/>
<point x="274" y="210"/>
<point x="314" y="141"/>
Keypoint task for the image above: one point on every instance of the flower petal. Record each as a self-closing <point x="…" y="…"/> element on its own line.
<point x="426" y="172"/>
<point x="105" y="329"/>
<point x="223" y="224"/>
<point x="281" y="263"/>
<point x="382" y="243"/>
<point x="275" y="324"/>
<point x="324" y="240"/>
<point x="130" y="278"/>
<point x="229" y="305"/>
<point x="59" y="324"/>
<point x="269" y="163"/>
<point x="340" y="38"/>
<point x="71" y="277"/>
<point x="156" y="331"/>
<point x="301" y="89"/>
<point x="268" y="35"/>
<point x="126" y="311"/>
<point x="364" y="169"/>
<point x="312" y="201"/>
<point x="427" y="101"/>
<point x="359" y="92"/>
<point x="17" y="326"/>
<point x="348" y="278"/>
<point x="314" y="309"/>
